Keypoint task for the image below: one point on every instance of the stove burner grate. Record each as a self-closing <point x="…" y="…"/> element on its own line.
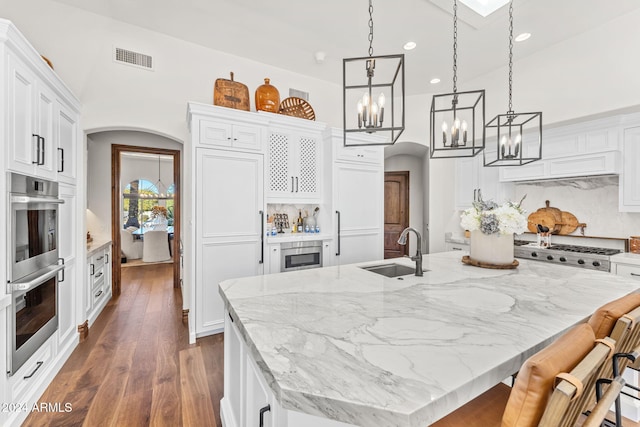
<point x="585" y="249"/>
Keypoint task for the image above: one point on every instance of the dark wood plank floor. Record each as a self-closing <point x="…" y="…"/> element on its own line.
<point x="137" y="368"/>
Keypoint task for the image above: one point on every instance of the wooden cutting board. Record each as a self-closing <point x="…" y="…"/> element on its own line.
<point x="548" y="216"/>
<point x="228" y="93"/>
<point x="569" y="223"/>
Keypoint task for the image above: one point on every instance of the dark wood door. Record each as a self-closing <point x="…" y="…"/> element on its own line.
<point x="396" y="212"/>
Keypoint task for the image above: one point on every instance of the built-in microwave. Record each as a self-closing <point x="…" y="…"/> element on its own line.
<point x="300" y="255"/>
<point x="34" y="225"/>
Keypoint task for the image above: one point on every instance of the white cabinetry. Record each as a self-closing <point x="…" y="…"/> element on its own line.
<point x="473" y="179"/>
<point x="358" y="201"/>
<point x="582" y="149"/>
<point x="229" y="214"/>
<point x="630" y="177"/>
<point x="40" y="119"/>
<point x="227" y="134"/>
<point x="30" y="124"/>
<point x="98" y="286"/>
<point x="294" y="159"/>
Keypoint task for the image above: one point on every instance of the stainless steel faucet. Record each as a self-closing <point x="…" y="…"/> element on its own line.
<point x="418" y="256"/>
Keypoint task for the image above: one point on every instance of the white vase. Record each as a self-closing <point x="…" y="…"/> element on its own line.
<point x="491" y="248"/>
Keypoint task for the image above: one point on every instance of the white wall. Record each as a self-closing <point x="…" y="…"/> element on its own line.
<point x="116" y="96"/>
<point x="99" y="173"/>
<point x="414" y="165"/>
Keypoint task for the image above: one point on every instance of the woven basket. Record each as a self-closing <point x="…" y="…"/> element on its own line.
<point x="297" y="107"/>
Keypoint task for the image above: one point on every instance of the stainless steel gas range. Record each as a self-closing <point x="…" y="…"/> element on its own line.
<point x="577" y="256"/>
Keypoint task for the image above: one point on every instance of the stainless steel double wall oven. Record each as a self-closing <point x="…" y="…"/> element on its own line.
<point x="35" y="269"/>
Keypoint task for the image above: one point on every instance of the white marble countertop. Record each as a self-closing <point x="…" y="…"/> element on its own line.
<point x="626" y="258"/>
<point x="347" y="344"/>
<point x="96" y="245"/>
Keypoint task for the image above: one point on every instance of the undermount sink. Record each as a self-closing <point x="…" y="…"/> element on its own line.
<point x="391" y="270"/>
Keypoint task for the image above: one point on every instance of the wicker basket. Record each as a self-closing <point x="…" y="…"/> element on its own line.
<point x="297" y="107"/>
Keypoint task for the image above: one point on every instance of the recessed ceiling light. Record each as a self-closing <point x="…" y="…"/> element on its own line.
<point x="409" y="45"/>
<point x="522" y="37"/>
<point x="435" y="81"/>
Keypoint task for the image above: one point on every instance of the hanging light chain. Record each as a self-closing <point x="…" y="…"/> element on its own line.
<point x="455" y="46"/>
<point x="370" y="28"/>
<point x="510" y="55"/>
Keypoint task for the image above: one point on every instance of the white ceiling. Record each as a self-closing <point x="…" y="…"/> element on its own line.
<point x="288" y="33"/>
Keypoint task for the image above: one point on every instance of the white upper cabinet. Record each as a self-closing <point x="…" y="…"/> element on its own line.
<point x="473" y="180"/>
<point x="583" y="149"/>
<point x="30" y="122"/>
<point x="630" y="178"/>
<point x="67" y="134"/>
<point x="225" y="134"/>
<point x="42" y="122"/>
<point x="294" y="170"/>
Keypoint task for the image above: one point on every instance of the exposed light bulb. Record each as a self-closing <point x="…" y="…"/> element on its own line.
<point x="360" y="107"/>
<point x="381" y="100"/>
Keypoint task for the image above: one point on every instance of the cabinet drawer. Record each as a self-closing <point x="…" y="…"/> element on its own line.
<point x="29" y="374"/>
<point x="223" y="134"/>
<point x="359" y="154"/>
<point x="98" y="279"/>
<point x="98" y="293"/>
<point x="631" y="271"/>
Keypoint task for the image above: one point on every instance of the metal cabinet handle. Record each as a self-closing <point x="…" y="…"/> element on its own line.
<point x="39" y="364"/>
<point x="297" y="187"/>
<point x="61" y="260"/>
<point x="261" y="237"/>
<point x="635" y="274"/>
<point x="475" y="197"/>
<point x="338" y="252"/>
<point x="37" y="161"/>
<point x="93" y="269"/>
<point x="40" y="150"/>
<point x="292" y="185"/>
<point x="106" y="258"/>
<point x="99" y="275"/>
<point x="61" y="150"/>
<point x="262" y="411"/>
<point x="98" y="294"/>
<point x="100" y="257"/>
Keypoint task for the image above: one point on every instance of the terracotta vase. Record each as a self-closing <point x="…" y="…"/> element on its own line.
<point x="491" y="248"/>
<point x="267" y="98"/>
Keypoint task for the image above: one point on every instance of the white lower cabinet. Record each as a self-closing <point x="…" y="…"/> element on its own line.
<point x="98" y="286"/>
<point x="273" y="258"/>
<point x="248" y="400"/>
<point x="450" y="246"/>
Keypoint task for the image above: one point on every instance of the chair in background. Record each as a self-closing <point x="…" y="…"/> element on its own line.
<point x="156" y="246"/>
<point x="130" y="247"/>
<point x="573" y="359"/>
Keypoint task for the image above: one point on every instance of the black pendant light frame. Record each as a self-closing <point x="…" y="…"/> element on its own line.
<point x="384" y="118"/>
<point x="518" y="136"/>
<point x="455" y="108"/>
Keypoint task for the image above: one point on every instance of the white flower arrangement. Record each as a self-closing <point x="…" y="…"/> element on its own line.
<point x="490" y="218"/>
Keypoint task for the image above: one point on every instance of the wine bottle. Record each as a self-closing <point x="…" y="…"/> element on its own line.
<point x="300" y="224"/>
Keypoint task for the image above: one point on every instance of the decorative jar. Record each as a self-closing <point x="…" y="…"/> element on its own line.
<point x="267" y="97"/>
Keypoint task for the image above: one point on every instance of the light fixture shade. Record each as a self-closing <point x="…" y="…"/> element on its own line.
<point x="373" y="99"/>
<point x="515" y="139"/>
<point x="457" y="124"/>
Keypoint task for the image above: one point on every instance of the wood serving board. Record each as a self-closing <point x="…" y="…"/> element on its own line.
<point x="231" y="94"/>
<point x="470" y="261"/>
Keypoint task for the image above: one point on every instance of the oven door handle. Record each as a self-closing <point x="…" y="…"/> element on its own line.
<point x="29" y="199"/>
<point x="29" y="284"/>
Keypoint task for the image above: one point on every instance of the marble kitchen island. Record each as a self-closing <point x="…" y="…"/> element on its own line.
<point x="341" y="346"/>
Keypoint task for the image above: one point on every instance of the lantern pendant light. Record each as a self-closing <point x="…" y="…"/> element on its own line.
<point x="459" y="115"/>
<point x="373" y="96"/>
<point x="517" y="136"/>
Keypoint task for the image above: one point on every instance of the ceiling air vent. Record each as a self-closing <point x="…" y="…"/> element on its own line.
<point x="133" y="58"/>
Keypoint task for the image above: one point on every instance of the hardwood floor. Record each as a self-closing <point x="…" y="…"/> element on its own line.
<point x="137" y="368"/>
